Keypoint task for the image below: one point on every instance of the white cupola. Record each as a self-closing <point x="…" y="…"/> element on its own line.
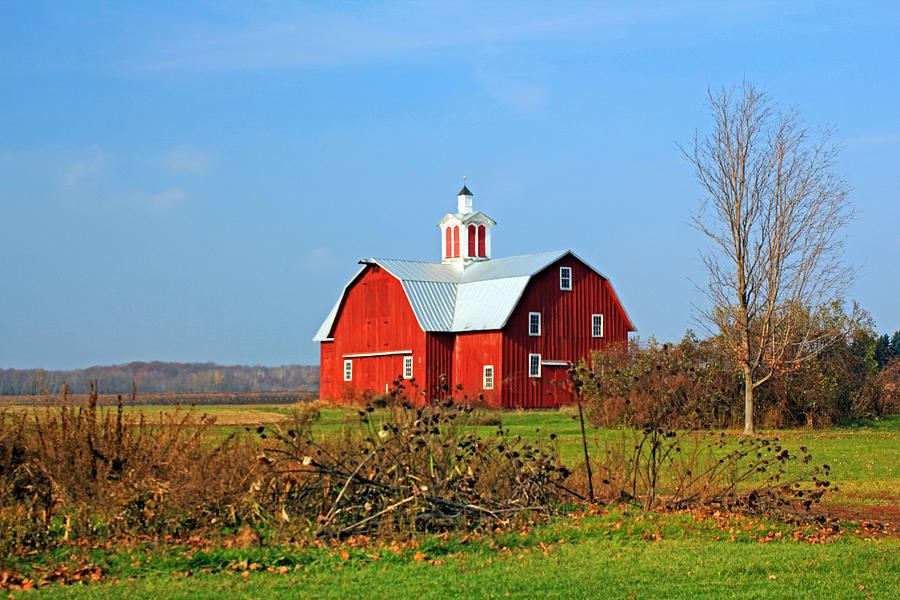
<point x="464" y="201"/>
<point x="465" y="234"/>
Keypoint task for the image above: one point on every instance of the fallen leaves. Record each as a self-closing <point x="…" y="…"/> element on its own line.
<point x="245" y="538"/>
<point x="12" y="580"/>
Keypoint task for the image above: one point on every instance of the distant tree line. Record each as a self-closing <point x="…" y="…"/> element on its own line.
<point x="161" y="378"/>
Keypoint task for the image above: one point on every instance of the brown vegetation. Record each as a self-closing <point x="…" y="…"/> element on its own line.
<point x="697" y="384"/>
<point x="410" y="469"/>
<point x="68" y="472"/>
<point x="74" y="472"/>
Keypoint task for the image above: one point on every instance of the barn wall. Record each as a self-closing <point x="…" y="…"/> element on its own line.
<point x="565" y="333"/>
<point x="374" y="317"/>
<point x="327" y="371"/>
<point x="471" y="352"/>
<point x="439" y="370"/>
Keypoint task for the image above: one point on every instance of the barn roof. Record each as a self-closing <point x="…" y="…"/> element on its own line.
<point x="445" y="297"/>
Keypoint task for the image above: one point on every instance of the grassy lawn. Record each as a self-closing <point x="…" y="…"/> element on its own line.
<point x="864" y="457"/>
<point x="613" y="555"/>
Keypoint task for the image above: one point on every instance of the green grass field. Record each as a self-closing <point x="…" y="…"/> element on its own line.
<point x="615" y="554"/>
<point x="864" y="457"/>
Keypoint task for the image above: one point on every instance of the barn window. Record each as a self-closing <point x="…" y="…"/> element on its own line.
<point x="456" y="241"/>
<point x="534" y="365"/>
<point x="534" y="323"/>
<point x="348" y="370"/>
<point x="597" y="325"/>
<point x="448" y="242"/>
<point x="407" y="367"/>
<point x="488" y="382"/>
<point x="565" y="278"/>
<point x="481" y="233"/>
<point x="473" y="242"/>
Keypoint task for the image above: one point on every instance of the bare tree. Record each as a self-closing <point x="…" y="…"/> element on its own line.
<point x="774" y="213"/>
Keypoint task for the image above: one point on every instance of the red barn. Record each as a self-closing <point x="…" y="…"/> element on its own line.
<point x="506" y="328"/>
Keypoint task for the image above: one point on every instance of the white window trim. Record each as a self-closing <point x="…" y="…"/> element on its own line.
<point x="407" y="367"/>
<point x="487" y="384"/>
<point x="568" y="272"/>
<point x="348" y="370"/>
<point x="538" y="315"/>
<point x="593" y="328"/>
<point x="538" y="362"/>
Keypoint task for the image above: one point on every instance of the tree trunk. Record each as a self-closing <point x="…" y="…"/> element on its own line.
<point x="748" y="401"/>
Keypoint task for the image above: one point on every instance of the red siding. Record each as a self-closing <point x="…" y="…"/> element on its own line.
<point x="481" y="236"/>
<point x="470" y="353"/>
<point x="456" y="241"/>
<point x="565" y="332"/>
<point x="439" y="353"/>
<point x="448" y="246"/>
<point x="327" y="371"/>
<point x="375" y="316"/>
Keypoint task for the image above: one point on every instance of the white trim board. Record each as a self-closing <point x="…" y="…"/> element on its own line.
<point x="367" y="354"/>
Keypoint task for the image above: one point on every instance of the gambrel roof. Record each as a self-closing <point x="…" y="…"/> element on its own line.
<point x="448" y="298"/>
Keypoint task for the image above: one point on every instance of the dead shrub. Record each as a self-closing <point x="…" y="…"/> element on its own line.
<point x="407" y="469"/>
<point x="889" y="384"/>
<point x="657" y="468"/>
<point x="69" y="471"/>
<point x="634" y="384"/>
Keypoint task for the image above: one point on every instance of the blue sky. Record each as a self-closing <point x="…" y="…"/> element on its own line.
<point x="196" y="181"/>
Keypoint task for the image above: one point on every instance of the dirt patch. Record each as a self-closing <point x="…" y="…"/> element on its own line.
<point x="234" y="417"/>
<point x="884" y="518"/>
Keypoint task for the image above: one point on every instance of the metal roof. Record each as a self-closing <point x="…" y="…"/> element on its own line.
<point x="524" y="265"/>
<point x="487" y="304"/>
<point x="413" y="270"/>
<point x="450" y="298"/>
<point x="432" y="302"/>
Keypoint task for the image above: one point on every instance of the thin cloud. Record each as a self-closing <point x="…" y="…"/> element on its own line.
<point x="186" y="160"/>
<point x="319" y="259"/>
<point x="313" y="37"/>
<point x="166" y="200"/>
<point x="521" y="96"/>
<point x="82" y="170"/>
<point x="874" y="140"/>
